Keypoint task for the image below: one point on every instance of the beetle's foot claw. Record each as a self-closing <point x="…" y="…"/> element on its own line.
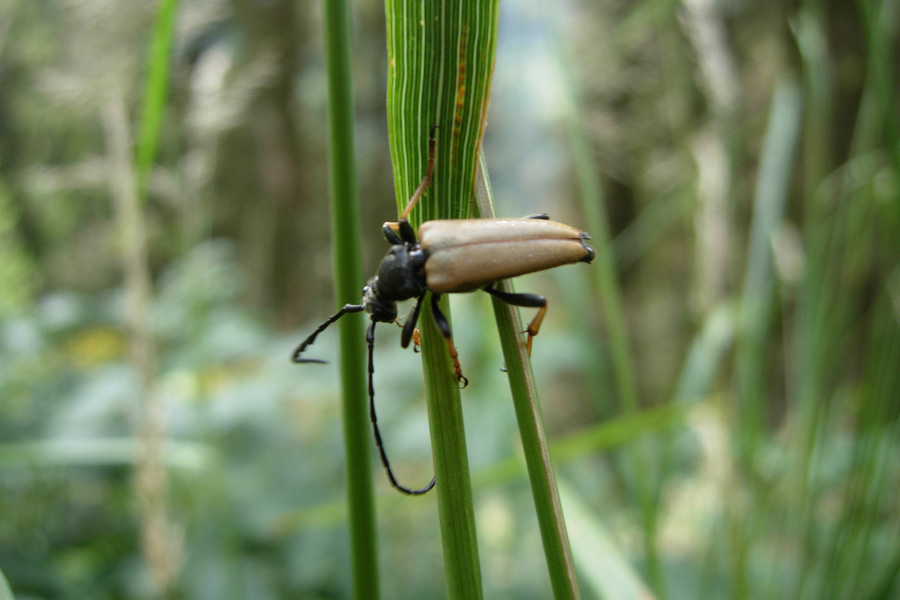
<point x="463" y="382"/>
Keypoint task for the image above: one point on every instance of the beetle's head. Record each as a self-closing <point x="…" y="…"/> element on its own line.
<point x="381" y="310"/>
<point x="401" y="274"/>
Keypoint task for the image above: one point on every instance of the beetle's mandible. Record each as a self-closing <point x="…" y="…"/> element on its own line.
<point x="453" y="256"/>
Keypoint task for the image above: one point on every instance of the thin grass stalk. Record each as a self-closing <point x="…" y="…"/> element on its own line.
<point x="868" y="502"/>
<point x="758" y="295"/>
<point x="345" y="230"/>
<point x="551" y="522"/>
<point x="755" y="317"/>
<point x="858" y="545"/>
<point x="880" y="18"/>
<point x="837" y="242"/>
<point x="159" y="540"/>
<point x="161" y="543"/>
<point x="440" y="62"/>
<point x="868" y="507"/>
<point x="822" y="305"/>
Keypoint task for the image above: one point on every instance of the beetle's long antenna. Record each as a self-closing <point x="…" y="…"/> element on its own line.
<point x="370" y="342"/>
<point x="348" y="308"/>
<point x="426" y="181"/>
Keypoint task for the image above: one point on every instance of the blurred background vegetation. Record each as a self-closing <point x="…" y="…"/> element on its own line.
<point x="747" y="156"/>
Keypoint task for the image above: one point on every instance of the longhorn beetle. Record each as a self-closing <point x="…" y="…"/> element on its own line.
<point x="453" y="256"/>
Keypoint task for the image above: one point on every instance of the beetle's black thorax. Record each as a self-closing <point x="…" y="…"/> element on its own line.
<point x="400" y="276"/>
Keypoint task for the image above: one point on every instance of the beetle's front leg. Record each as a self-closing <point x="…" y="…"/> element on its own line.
<point x="409" y="328"/>
<point x="527" y="301"/>
<point x="444" y="326"/>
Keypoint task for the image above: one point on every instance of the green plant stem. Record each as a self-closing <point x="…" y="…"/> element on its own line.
<point x="348" y="277"/>
<point x="451" y="463"/>
<point x="537" y="453"/>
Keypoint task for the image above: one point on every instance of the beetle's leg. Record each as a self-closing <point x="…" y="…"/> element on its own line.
<point x="527" y="301"/>
<point x="409" y="327"/>
<point x="444" y="326"/>
<point x="348" y="308"/>
<point x="426" y="181"/>
<point x="370" y="342"/>
<point x="541" y="216"/>
<point x="416" y="340"/>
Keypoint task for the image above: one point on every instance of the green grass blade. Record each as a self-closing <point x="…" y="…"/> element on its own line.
<point x="880" y="18"/>
<point x="758" y="296"/>
<point x="440" y="62"/>
<point x="348" y="278"/>
<point x="591" y="204"/>
<point x="5" y="590"/>
<point x="705" y="355"/>
<point x="605" y="567"/>
<point x="610" y="434"/>
<point x="156" y="93"/>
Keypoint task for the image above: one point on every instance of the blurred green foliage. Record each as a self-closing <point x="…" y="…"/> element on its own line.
<point x="759" y="273"/>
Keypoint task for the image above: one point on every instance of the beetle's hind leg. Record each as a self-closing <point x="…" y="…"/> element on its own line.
<point x="444" y="326"/>
<point x="526" y="301"/>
